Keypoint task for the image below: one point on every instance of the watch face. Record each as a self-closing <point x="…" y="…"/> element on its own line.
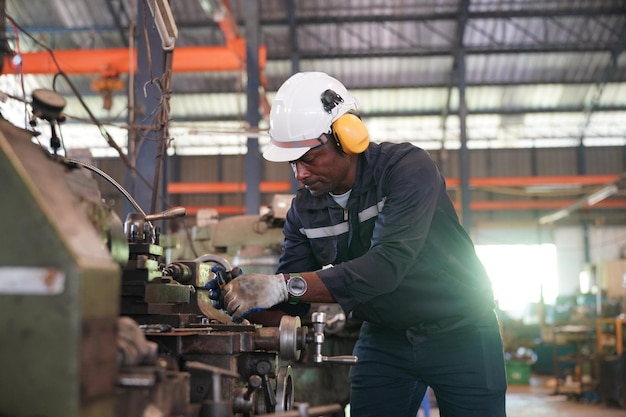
<point x="296" y="286"/>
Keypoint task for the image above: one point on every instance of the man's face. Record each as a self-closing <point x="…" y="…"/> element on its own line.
<point x="323" y="169"/>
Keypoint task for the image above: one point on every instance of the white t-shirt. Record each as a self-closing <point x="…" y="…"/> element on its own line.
<point x="341" y="199"/>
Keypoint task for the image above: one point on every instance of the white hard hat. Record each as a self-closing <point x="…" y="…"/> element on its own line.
<point x="298" y="116"/>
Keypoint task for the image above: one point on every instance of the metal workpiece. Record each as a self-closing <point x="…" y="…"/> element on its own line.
<point x="178" y="271"/>
<point x="193" y="273"/>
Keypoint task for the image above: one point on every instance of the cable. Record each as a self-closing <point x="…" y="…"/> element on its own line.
<point x="110" y="179"/>
<point x="161" y="114"/>
<point x="78" y="95"/>
<point x="127" y="162"/>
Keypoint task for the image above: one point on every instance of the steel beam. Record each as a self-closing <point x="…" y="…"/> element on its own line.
<point x="295" y="59"/>
<point x="547" y="12"/>
<point x="253" y="168"/>
<point x="144" y="145"/>
<point x="464" y="160"/>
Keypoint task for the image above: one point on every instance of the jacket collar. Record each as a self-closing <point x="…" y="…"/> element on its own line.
<point x="365" y="170"/>
<point x="365" y="179"/>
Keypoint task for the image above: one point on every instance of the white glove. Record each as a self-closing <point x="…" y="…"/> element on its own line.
<point x="251" y="292"/>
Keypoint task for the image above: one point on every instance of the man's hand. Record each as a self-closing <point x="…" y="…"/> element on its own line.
<point x="253" y="292"/>
<point x="222" y="277"/>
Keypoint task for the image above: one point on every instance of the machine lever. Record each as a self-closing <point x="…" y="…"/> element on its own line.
<point x="319" y="322"/>
<point x="263" y="368"/>
<point x="270" y="396"/>
<point x="347" y="359"/>
<point x="170" y="213"/>
<point x="254" y="382"/>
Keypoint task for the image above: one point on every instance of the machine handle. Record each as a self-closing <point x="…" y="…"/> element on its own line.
<point x="319" y="322"/>
<point x="170" y="213"/>
<point x="347" y="359"/>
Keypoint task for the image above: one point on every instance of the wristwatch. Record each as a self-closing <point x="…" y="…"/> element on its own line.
<point x="296" y="287"/>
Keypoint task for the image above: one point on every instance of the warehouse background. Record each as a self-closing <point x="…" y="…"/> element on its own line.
<point x="521" y="103"/>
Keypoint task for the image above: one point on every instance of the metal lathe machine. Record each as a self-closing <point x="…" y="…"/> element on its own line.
<point x="94" y="323"/>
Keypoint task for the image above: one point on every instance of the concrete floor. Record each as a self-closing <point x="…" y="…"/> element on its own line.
<point x="536" y="400"/>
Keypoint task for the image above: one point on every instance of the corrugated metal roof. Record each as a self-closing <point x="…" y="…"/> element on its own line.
<point x="537" y="73"/>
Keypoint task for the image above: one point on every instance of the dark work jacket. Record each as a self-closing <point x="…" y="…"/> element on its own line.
<point x="399" y="255"/>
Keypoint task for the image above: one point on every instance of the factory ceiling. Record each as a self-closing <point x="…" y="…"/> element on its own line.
<point x="524" y="73"/>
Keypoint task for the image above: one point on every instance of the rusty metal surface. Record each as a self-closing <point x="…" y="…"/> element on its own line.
<point x="168" y="397"/>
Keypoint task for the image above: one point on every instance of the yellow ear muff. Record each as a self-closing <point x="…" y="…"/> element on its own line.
<point x="351" y="133"/>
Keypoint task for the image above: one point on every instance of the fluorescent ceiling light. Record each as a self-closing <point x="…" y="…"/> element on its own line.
<point x="590" y="200"/>
<point x="551" y="218"/>
<point x="601" y="194"/>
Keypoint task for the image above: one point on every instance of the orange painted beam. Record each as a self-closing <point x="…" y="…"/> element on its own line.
<point x="475" y="205"/>
<point x="206" y="187"/>
<point x="226" y="187"/>
<point x="535" y="181"/>
<point x="285" y="186"/>
<point x="97" y="61"/>
<point x="537" y="205"/>
<point x="227" y="22"/>
<point x="275" y="187"/>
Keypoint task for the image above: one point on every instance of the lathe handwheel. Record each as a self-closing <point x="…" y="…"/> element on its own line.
<point x="288" y="330"/>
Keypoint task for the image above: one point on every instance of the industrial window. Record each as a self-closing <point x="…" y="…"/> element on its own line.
<point x="521" y="276"/>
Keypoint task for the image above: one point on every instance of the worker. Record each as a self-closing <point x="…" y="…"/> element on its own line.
<point x="374" y="229"/>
